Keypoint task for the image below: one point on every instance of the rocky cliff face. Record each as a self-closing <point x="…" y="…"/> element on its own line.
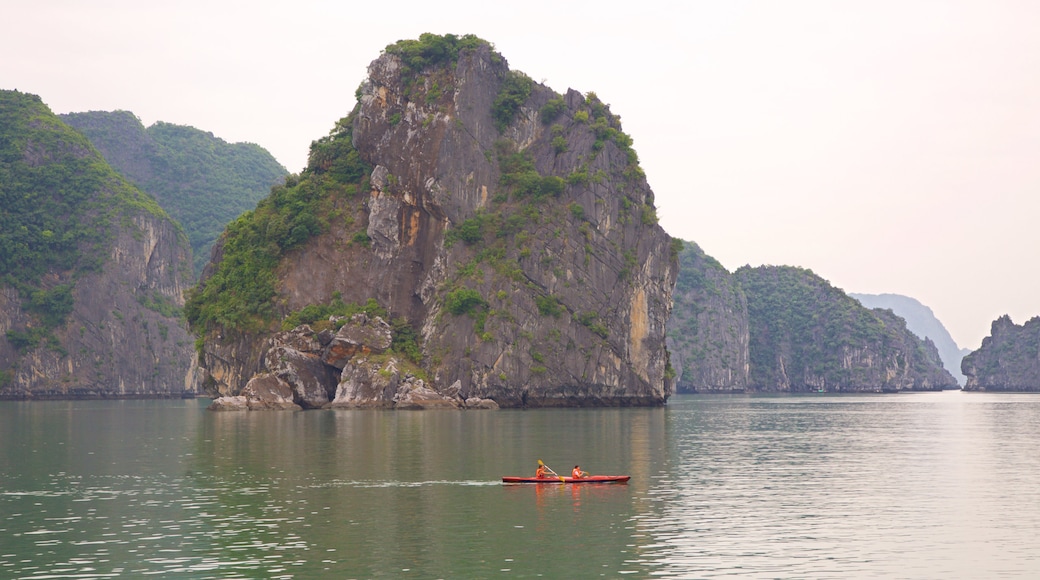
<point x="784" y="329"/>
<point x="1008" y="360"/>
<point x="708" y="331"/>
<point x="806" y="335"/>
<point x="508" y="227"/>
<point x="921" y="321"/>
<point x="97" y="317"/>
<point x="121" y="338"/>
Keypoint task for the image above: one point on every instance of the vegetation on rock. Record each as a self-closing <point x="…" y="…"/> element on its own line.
<point x="708" y="330"/>
<point x="59" y="201"/>
<point x="79" y="244"/>
<point x="239" y="294"/>
<point x="200" y="180"/>
<point x="516" y="240"/>
<point x="806" y="334"/>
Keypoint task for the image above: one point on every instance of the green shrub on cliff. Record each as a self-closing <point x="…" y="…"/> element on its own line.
<point x="464" y="301"/>
<point x="551" y="110"/>
<point x="515" y="89"/>
<point x="432" y="49"/>
<point x="519" y="176"/>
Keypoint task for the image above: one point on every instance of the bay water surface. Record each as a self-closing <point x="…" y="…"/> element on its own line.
<point x="930" y="485"/>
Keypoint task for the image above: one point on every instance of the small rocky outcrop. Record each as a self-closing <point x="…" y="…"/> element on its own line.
<point x="362" y="336"/>
<point x="265" y="392"/>
<point x="348" y="369"/>
<point x="1008" y="360"/>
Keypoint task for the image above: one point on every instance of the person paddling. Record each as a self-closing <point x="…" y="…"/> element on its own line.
<point x="577" y="473"/>
<point x="542" y="472"/>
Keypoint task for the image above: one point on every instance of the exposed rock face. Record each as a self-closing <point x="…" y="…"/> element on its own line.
<point x="1008" y="360"/>
<point x="784" y="329"/>
<point x="708" y="331"/>
<point x="529" y="259"/>
<point x="807" y="335"/>
<point x="122" y="336"/>
<point x="363" y="336"/>
<point x="921" y="321"/>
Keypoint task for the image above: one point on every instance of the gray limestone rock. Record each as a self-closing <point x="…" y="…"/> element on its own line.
<point x="566" y="280"/>
<point x="234" y="403"/>
<point x="306" y="375"/>
<point x="361" y="335"/>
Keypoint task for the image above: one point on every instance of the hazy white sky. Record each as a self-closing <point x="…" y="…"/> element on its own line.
<point x="889" y="146"/>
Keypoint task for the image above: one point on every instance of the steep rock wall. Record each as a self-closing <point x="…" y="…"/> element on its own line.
<point x="708" y="332"/>
<point x="806" y="335"/>
<point x="92" y="272"/>
<point x="117" y="342"/>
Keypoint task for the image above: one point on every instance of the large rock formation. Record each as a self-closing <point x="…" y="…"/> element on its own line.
<point x="708" y="331"/>
<point x="1008" y="360"/>
<point x="921" y="321"/>
<point x="807" y="335"/>
<point x="93" y="271"/>
<point x="506" y="228"/>
<point x="784" y="329"/>
<point x="200" y="180"/>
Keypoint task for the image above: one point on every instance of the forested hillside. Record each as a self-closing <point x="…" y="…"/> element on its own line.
<point x="92" y="270"/>
<point x="807" y="335"/>
<point x="201" y="180"/>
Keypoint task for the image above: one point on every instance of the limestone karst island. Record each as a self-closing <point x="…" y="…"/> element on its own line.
<point x="463" y="238"/>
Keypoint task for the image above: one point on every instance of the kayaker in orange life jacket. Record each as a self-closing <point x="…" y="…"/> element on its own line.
<point x="542" y="472"/>
<point x="577" y="473"/>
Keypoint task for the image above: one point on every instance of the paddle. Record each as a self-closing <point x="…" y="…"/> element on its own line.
<point x="562" y="480"/>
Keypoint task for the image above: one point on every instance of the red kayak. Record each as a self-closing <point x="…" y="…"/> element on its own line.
<point x="589" y="479"/>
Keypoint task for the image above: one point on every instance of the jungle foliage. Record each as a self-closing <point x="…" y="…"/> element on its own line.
<point x="200" y="180"/>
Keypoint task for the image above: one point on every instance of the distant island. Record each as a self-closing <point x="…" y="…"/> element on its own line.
<point x="785" y="329"/>
<point x="921" y="321"/>
<point x="202" y="181"/>
<point x="1008" y="360"/>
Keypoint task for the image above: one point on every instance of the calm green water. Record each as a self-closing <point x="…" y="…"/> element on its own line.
<point x="943" y="485"/>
